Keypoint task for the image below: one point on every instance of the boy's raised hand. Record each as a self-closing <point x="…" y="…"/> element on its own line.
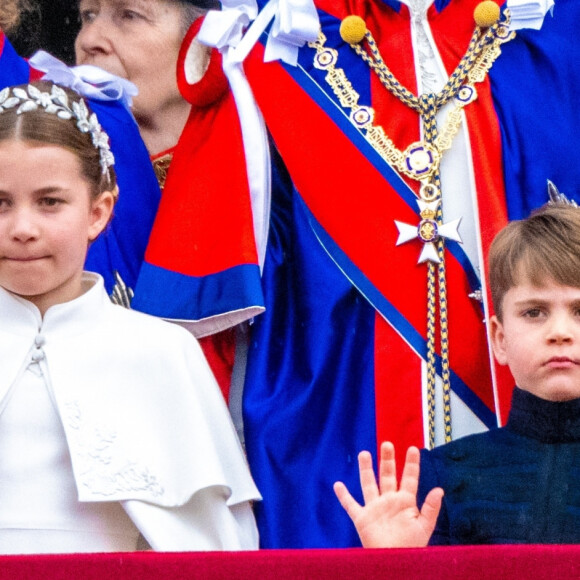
<point x="390" y="517"/>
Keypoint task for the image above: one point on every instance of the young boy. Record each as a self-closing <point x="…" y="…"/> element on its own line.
<point x="519" y="483"/>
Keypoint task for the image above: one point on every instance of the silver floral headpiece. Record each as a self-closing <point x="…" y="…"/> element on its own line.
<point x="57" y="103"/>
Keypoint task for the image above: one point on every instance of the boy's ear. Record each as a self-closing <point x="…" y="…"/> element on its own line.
<point x="497" y="340"/>
<point x="101" y="212"/>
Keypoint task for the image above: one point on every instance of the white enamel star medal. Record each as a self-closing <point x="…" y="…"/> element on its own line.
<point x="428" y="230"/>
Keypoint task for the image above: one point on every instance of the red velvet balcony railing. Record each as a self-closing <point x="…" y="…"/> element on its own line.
<point x="466" y="562"/>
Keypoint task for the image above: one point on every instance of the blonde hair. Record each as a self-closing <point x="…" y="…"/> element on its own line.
<point x="544" y="246"/>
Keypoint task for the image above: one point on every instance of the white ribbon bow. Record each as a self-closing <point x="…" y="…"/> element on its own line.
<point x="295" y="23"/>
<point x="528" y="13"/>
<point x="226" y="27"/>
<point x="89" y="81"/>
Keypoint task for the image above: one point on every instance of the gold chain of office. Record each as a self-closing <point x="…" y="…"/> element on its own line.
<point x="421" y="160"/>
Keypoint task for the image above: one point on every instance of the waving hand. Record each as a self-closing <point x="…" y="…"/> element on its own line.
<point x="390" y="517"/>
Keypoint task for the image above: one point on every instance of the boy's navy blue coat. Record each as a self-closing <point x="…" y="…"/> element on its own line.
<point x="517" y="484"/>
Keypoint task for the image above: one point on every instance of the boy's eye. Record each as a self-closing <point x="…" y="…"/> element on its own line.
<point x="4" y="203"/>
<point x="533" y="313"/>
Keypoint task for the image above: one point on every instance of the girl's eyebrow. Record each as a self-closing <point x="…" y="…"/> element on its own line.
<point x="48" y="189"/>
<point x="42" y="191"/>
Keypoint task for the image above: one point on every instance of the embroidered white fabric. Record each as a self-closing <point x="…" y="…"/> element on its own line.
<point x="39" y="509"/>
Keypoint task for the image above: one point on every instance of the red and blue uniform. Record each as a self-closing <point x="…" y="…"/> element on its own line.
<point x="335" y="363"/>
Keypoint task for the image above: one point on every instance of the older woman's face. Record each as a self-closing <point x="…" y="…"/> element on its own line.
<point x="135" y="39"/>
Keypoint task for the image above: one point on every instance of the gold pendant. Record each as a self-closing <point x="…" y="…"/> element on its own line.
<point x="420" y="161"/>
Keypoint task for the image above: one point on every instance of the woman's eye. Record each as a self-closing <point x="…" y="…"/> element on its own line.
<point x="87" y="16"/>
<point x="130" y="15"/>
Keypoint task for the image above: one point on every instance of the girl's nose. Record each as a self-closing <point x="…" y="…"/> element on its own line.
<point x="23" y="226"/>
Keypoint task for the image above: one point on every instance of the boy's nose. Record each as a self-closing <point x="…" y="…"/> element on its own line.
<point x="560" y="330"/>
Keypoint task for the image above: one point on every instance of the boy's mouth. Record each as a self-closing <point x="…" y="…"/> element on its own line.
<point x="561" y="362"/>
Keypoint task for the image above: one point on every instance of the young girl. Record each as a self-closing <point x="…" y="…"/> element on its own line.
<point x="111" y="424"/>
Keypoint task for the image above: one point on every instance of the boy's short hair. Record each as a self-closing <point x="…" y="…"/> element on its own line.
<point x="544" y="246"/>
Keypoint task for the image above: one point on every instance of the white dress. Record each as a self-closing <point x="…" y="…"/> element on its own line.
<point x="111" y="425"/>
